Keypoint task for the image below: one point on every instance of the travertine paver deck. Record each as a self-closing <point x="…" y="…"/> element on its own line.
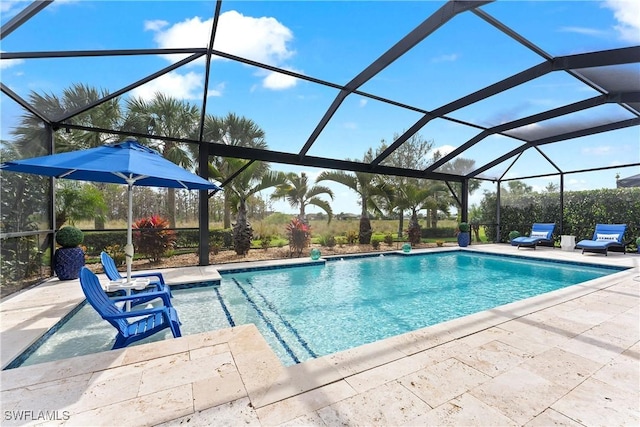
<point x="570" y="357"/>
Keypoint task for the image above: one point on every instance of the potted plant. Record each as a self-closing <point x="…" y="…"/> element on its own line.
<point x="464" y="238"/>
<point x="69" y="257"/>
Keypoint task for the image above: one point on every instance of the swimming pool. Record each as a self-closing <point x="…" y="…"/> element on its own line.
<point x="310" y="311"/>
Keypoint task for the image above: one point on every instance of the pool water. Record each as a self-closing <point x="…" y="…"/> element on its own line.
<point x="311" y="311"/>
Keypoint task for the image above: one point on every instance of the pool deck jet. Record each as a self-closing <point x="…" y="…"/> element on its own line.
<point x="568" y="357"/>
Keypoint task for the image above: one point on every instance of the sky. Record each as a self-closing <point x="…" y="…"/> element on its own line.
<point x="333" y="42"/>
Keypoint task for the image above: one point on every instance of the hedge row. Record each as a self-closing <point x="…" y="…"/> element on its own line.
<point x="97" y="241"/>
<point x="582" y="211"/>
<point x="432" y="233"/>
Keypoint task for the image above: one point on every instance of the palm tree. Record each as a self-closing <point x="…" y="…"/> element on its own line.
<point x="457" y="166"/>
<point x="244" y="185"/>
<point x="366" y="185"/>
<point x="106" y="115"/>
<point x="299" y="195"/>
<point x="168" y="117"/>
<point x="238" y="131"/>
<point x="412" y="154"/>
<point x="415" y="196"/>
<point x="30" y="134"/>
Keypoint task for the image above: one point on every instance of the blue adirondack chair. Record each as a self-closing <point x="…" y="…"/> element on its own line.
<point x="147" y="322"/>
<point x="110" y="269"/>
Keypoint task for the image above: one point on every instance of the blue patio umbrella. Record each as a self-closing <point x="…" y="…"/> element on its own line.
<point x="125" y="163"/>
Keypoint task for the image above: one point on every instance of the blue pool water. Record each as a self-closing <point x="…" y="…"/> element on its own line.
<point x="310" y="311"/>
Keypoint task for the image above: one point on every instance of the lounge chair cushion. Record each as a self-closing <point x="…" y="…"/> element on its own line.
<point x="539" y="234"/>
<point x="613" y="237"/>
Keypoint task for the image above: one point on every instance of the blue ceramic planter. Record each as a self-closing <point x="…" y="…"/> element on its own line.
<point x="67" y="263"/>
<point x="464" y="238"/>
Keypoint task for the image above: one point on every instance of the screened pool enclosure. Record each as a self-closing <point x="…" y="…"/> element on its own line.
<point x="542" y="95"/>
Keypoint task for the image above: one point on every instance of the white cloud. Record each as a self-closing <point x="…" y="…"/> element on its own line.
<point x="584" y="31"/>
<point x="350" y="125"/>
<point x="446" y="58"/>
<point x="278" y="81"/>
<point x="444" y="149"/>
<point x="11" y="7"/>
<point x="188" y="33"/>
<point x="261" y="39"/>
<point x="187" y="86"/>
<point x="577" y="185"/>
<point x="8" y="63"/>
<point x="597" y="151"/>
<point x="363" y="102"/>
<point x="155" y="25"/>
<point x="626" y="13"/>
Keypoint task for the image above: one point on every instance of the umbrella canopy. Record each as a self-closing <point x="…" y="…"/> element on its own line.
<point x="125" y="163"/>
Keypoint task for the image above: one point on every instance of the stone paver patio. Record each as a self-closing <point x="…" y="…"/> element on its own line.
<point x="569" y="357"/>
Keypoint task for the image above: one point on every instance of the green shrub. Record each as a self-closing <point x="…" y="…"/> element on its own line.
<point x="375" y="242"/>
<point x="513" y="234"/>
<point x="116" y="252"/>
<point x="265" y="241"/>
<point x="463" y="227"/>
<point x="226" y="235"/>
<point x="98" y="241"/>
<point x="388" y="239"/>
<point x="215" y="243"/>
<point x="187" y="238"/>
<point x="151" y="237"/>
<point x="341" y="240"/>
<point x="327" y="240"/>
<point x="69" y="237"/>
<point x="352" y="237"/>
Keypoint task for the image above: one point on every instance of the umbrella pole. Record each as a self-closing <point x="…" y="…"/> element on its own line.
<point x="128" y="250"/>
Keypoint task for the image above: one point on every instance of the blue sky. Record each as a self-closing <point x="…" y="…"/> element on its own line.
<point x="334" y="41"/>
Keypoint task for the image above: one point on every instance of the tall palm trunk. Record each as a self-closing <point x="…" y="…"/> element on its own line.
<point x="171" y="207"/>
<point x="401" y="223"/>
<point x="364" y="237"/>
<point x="242" y="231"/>
<point x="414" y="229"/>
<point x="302" y="216"/>
<point x="227" y="211"/>
<point x="99" y="219"/>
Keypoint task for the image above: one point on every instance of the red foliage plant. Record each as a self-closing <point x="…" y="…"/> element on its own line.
<point x="152" y="238"/>
<point x="299" y="235"/>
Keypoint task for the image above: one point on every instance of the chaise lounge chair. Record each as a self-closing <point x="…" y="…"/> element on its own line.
<point x="606" y="237"/>
<point x="110" y="269"/>
<point x="541" y="233"/>
<point x="147" y="323"/>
